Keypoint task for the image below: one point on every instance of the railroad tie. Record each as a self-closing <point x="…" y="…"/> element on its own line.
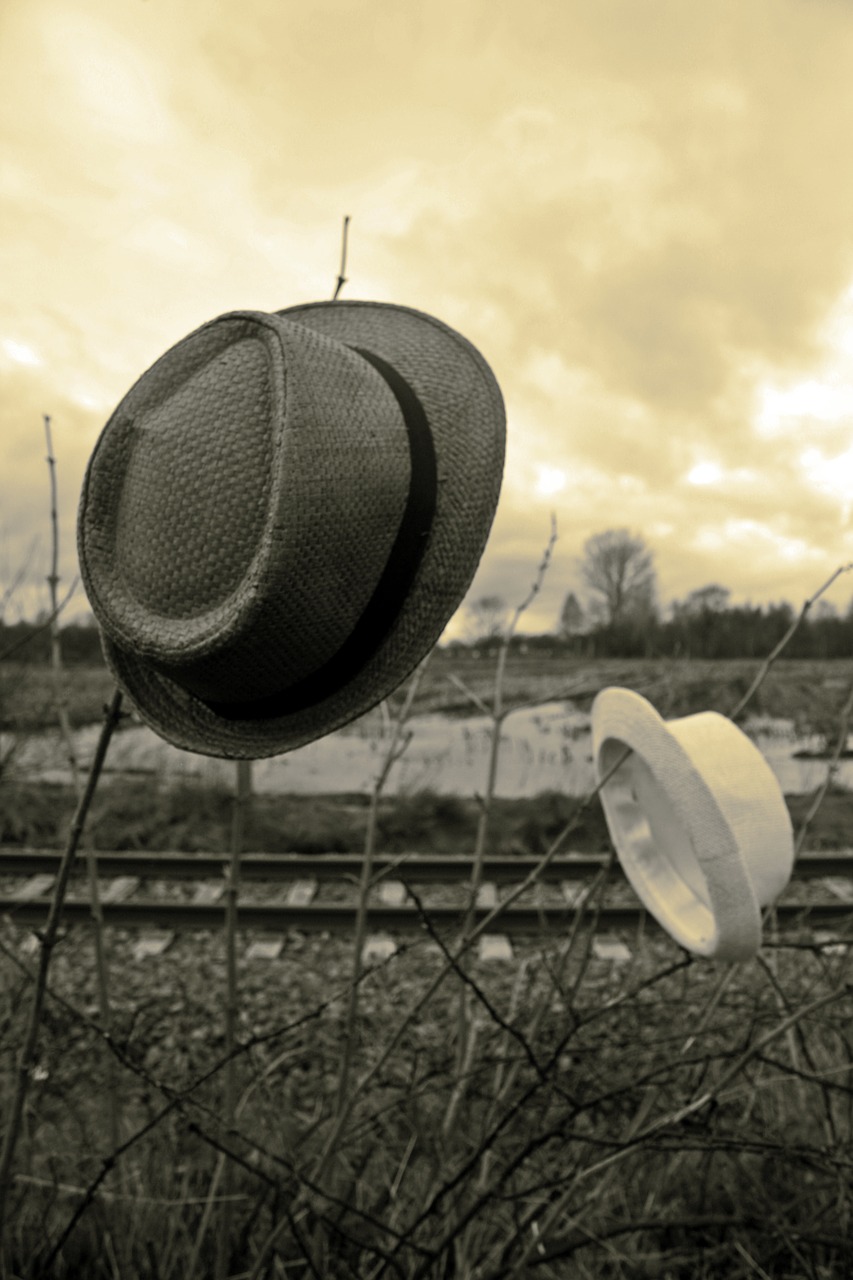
<point x="487" y="895"/>
<point x="610" y="949"/>
<point x="574" y="892"/>
<point x="301" y="893"/>
<point x="378" y="947"/>
<point x="265" y="949"/>
<point x="152" y="944"/>
<point x="829" y="944"/>
<point x="839" y="887"/>
<point x="495" y="946"/>
<point x="208" y="892"/>
<point x="33" y="888"/>
<point x="120" y="889"/>
<point x="392" y="893"/>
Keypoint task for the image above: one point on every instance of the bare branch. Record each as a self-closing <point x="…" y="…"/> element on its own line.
<point x="42" y="626"/>
<point x="342" y="279"/>
<point x="27" y="1060"/>
<point x="775" y="653"/>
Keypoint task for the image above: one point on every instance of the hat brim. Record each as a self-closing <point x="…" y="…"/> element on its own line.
<point x="468" y="430"/>
<point x="674" y="842"/>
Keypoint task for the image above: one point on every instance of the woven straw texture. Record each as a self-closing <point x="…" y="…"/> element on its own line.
<point x="242" y="501"/>
<point x="698" y="821"/>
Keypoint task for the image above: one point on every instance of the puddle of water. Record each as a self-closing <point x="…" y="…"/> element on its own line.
<point x="542" y="749"/>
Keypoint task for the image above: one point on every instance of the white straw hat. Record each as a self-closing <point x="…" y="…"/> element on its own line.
<point x="697" y="818"/>
<point x="281" y="516"/>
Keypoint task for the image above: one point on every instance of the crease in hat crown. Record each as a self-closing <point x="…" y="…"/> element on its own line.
<point x="243" y="500"/>
<point x="697" y="818"/>
<point x="184" y="619"/>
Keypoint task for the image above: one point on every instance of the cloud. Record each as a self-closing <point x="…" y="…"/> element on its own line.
<point x="641" y="215"/>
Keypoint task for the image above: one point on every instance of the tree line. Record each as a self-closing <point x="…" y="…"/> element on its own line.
<point x="24" y="641"/>
<point x="616" y="613"/>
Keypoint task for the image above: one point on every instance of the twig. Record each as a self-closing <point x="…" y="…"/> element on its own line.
<point x="55" y="639"/>
<point x="832" y="769"/>
<point x="470" y="982"/>
<point x="19" y="576"/>
<point x="27" y="1060"/>
<point x="68" y="739"/>
<point x="497" y="713"/>
<point x="396" y="746"/>
<point x="465" y="943"/>
<point x="42" y="626"/>
<point x="176" y="1100"/>
<point x="469" y="693"/>
<point x="225" y="1167"/>
<point x="677" y="1117"/>
<point x="774" y="654"/>
<point x="342" y="279"/>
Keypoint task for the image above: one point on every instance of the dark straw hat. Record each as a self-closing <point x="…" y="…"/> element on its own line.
<point x="281" y="516"/>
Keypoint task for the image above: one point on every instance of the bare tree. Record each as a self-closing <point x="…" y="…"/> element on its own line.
<point x="710" y="599"/>
<point x="487" y="617"/>
<point x="619" y="573"/>
<point x="571" y="620"/>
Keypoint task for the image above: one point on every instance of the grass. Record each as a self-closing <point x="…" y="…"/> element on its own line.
<point x="27" y="698"/>
<point x="660" y="1117"/>
<point x="140" y="814"/>
<point x="806" y="690"/>
<point x="762" y="1170"/>
<point x="795" y="688"/>
<point x="190" y="817"/>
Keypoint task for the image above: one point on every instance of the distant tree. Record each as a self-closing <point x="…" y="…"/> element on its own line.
<point x="831" y="634"/>
<point x="710" y="599"/>
<point x="487" y="617"/>
<point x="571" y="621"/>
<point x="822" y="610"/>
<point x="619" y="573"/>
<point x="702" y="622"/>
<point x="81" y="644"/>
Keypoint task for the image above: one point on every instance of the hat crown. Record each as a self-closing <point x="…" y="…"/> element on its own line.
<point x="281" y="516"/>
<point x="196" y="487"/>
<point x="229" y="538"/>
<point x="697" y="818"/>
<point x="747" y="793"/>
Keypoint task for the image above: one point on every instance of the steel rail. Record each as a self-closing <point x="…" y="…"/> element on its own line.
<point x="337" y="917"/>
<point x="419" y="868"/>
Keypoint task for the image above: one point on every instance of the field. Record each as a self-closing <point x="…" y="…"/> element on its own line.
<point x="564" y="1114"/>
<point x="806" y="691"/>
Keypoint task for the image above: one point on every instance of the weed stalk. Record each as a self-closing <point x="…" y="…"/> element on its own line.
<point x="225" y="1168"/>
<point x="497" y="714"/>
<point x="29" y="1050"/>
<point x="61" y="702"/>
<point x="398" y="741"/>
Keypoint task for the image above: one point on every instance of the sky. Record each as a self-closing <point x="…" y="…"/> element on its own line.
<point x="640" y="211"/>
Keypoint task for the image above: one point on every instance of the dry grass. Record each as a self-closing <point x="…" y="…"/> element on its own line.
<point x="806" y="690"/>
<point x="660" y="1117"/>
<point x="575" y="1095"/>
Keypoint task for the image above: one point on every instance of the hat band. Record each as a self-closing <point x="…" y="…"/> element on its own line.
<point x="395" y="581"/>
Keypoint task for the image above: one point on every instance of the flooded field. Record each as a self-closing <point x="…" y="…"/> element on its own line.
<point x="545" y="748"/>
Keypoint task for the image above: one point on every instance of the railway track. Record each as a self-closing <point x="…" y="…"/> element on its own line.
<point x="177" y="892"/>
